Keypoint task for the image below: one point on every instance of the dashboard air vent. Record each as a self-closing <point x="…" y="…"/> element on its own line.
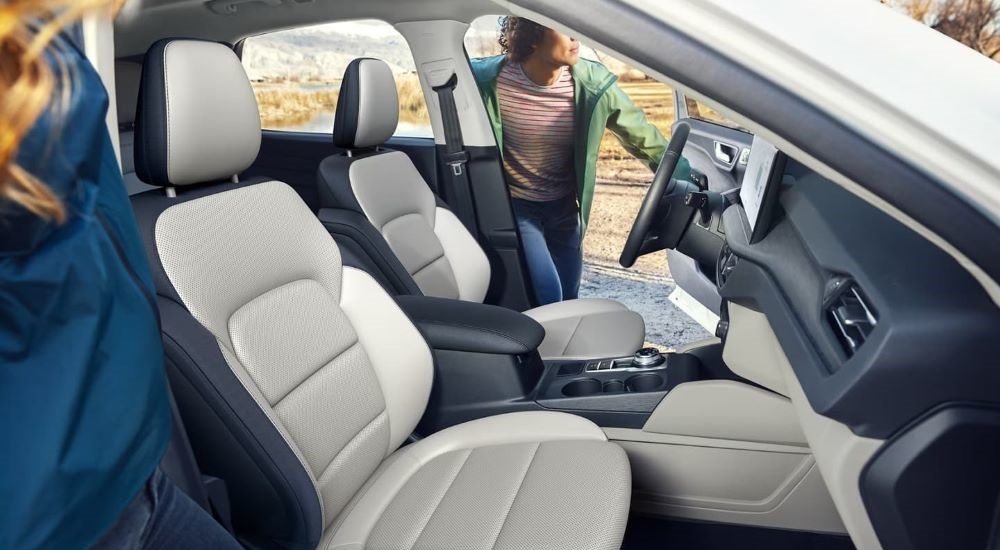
<point x="852" y="318"/>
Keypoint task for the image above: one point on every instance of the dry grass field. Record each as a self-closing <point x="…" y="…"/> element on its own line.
<point x="614" y="163"/>
<point x="290" y="104"/>
<point x="621" y="178"/>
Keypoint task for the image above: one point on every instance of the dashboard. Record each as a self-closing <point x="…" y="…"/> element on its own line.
<point x="886" y="334"/>
<point x="861" y="304"/>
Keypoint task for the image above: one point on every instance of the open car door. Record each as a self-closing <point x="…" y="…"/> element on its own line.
<point x="719" y="149"/>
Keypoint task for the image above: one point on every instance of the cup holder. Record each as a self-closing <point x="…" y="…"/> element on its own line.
<point x="644" y="382"/>
<point x="612" y="386"/>
<point x="591" y="386"/>
<point x="581" y="387"/>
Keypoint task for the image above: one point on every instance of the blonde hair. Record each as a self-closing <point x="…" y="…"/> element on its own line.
<point x="27" y="28"/>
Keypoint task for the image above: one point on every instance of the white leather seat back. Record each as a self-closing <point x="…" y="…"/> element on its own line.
<point x="337" y="367"/>
<point x="309" y="376"/>
<point x="334" y="364"/>
<point x="432" y="244"/>
<point x="438" y="252"/>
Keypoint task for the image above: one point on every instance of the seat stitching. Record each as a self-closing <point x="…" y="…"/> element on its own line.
<point x="579" y="322"/>
<point x="270" y="414"/>
<point x="437" y="505"/>
<point x="226" y="408"/>
<point x="499" y="333"/>
<point x="316" y="371"/>
<point x="322" y="472"/>
<point x="401" y="216"/>
<point x="428" y="264"/>
<point x="510" y="507"/>
<point x="318" y="368"/>
<point x="166" y="101"/>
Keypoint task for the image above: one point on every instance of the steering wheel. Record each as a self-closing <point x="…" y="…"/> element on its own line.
<point x="662" y="186"/>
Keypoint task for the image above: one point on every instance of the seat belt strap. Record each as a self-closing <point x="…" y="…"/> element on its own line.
<point x="456" y="158"/>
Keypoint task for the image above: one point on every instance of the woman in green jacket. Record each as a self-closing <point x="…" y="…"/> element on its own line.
<point x="549" y="110"/>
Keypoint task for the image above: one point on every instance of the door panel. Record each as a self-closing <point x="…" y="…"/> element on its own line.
<point x="294" y="157"/>
<point x="719" y="153"/>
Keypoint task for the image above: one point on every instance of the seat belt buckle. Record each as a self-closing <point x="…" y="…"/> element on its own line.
<point x="457" y="160"/>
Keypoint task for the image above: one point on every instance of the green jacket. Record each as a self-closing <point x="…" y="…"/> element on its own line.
<point x="600" y="104"/>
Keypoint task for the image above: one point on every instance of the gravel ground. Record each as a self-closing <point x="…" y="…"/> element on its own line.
<point x="611" y="216"/>
<point x="646" y="287"/>
<point x="666" y="325"/>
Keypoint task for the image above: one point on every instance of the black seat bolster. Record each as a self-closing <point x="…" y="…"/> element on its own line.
<point x="272" y="497"/>
<point x="273" y="500"/>
<point x="179" y="463"/>
<point x="333" y="181"/>
<point x="362" y="246"/>
<point x="472" y="327"/>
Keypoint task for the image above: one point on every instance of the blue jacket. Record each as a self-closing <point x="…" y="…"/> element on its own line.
<point x="84" y="410"/>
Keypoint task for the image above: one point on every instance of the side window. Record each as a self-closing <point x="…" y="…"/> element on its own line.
<point x="621" y="178"/>
<point x="615" y="165"/>
<point x="481" y="40"/>
<point x="700" y="111"/>
<point x="296" y="74"/>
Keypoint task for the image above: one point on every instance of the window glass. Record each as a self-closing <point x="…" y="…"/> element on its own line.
<point x="621" y="178"/>
<point x="296" y="74"/>
<point x="615" y="164"/>
<point x="700" y="111"/>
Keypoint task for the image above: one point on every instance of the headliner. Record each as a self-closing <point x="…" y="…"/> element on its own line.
<point x="142" y="22"/>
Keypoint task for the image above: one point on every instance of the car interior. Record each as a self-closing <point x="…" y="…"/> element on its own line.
<point x="357" y="359"/>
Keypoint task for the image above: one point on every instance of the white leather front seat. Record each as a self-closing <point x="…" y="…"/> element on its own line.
<point x="440" y="254"/>
<point x="301" y="378"/>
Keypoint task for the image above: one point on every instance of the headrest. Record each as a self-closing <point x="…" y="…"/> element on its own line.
<point x="197" y="116"/>
<point x="368" y="107"/>
<point x="127" y="74"/>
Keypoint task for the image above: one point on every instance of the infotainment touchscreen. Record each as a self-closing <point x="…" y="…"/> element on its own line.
<point x="759" y="191"/>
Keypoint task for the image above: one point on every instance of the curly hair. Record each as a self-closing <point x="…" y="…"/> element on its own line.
<point x="519" y="36"/>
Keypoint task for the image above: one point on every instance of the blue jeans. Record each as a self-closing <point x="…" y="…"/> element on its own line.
<point x="551" y="237"/>
<point x="162" y="516"/>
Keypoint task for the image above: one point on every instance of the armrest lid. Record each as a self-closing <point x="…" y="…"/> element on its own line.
<point x="469" y="326"/>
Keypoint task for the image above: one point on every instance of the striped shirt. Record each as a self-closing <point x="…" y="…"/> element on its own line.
<point x="537" y="134"/>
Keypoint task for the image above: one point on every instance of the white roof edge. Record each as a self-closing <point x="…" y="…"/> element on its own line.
<point x="943" y="117"/>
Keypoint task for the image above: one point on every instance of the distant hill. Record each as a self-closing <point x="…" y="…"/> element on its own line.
<point x="481" y="41"/>
<point x="323" y="52"/>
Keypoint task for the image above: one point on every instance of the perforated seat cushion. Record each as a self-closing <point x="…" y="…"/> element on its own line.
<point x="516" y="481"/>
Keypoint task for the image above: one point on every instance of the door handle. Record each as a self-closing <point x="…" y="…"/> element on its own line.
<point x="725" y="153"/>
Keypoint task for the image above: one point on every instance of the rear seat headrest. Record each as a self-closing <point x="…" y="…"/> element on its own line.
<point x="197" y="119"/>
<point x="368" y="106"/>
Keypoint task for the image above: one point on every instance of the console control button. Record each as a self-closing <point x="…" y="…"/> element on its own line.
<point x="606" y="365"/>
<point x="592" y="366"/>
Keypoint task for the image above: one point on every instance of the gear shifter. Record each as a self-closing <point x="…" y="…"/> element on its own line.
<point x="648" y="357"/>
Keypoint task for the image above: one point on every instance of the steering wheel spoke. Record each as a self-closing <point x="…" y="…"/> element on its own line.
<point x="639" y="240"/>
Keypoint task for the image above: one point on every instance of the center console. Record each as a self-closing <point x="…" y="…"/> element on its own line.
<point x="486" y="363"/>
<point x="618" y="391"/>
<point x="703" y="443"/>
